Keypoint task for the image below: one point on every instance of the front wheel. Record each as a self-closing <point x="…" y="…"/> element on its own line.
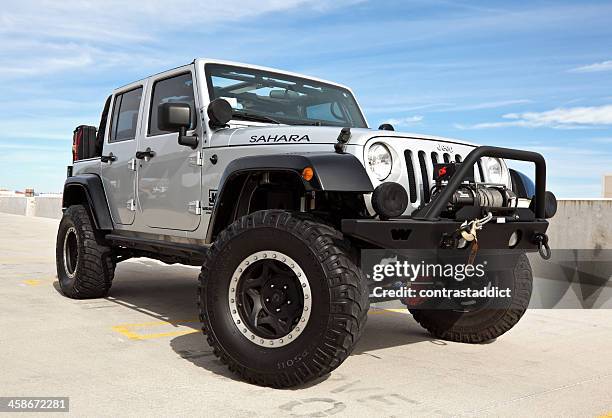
<point x="485" y="323"/>
<point x="281" y="301"/>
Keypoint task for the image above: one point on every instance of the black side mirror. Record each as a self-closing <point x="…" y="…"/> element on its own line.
<point x="220" y="112"/>
<point x="176" y="117"/>
<point x="386" y="127"/>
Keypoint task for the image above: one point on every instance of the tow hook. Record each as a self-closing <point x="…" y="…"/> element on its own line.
<point x="541" y="240"/>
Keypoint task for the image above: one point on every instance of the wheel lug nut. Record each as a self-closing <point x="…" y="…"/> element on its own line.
<point x="267" y="300"/>
<point x="288" y="302"/>
<point x="284" y="287"/>
<point x="272" y="285"/>
<point x="277" y="309"/>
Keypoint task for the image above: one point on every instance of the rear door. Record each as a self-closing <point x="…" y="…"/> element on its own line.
<point x="169" y="182"/>
<point x="119" y="166"/>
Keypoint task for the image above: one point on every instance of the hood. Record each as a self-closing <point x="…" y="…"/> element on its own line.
<point x="292" y="134"/>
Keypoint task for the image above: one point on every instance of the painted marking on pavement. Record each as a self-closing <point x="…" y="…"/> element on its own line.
<point x="134" y="331"/>
<point x="381" y="311"/>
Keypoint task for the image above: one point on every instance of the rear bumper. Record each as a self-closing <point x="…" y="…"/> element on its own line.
<point x="411" y="233"/>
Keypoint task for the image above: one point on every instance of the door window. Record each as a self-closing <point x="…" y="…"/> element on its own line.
<point x="125" y="115"/>
<point x="178" y="89"/>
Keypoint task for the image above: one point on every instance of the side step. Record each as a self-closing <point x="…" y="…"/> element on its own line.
<point x="161" y="250"/>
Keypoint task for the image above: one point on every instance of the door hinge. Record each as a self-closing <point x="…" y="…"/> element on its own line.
<point x="195" y="207"/>
<point x="131" y="205"/>
<point x="132" y="164"/>
<point x="196" y="159"/>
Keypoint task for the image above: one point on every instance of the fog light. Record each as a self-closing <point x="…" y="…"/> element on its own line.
<point x="550" y="204"/>
<point x="389" y="200"/>
<point x="514" y="239"/>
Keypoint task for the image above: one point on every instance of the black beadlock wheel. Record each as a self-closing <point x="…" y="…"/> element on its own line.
<point x="85" y="266"/>
<point x="483" y="324"/>
<point x="280" y="299"/>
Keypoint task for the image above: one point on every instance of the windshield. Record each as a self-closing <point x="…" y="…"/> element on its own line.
<point x="278" y="98"/>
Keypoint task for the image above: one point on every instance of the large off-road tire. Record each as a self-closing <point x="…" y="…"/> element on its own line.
<point x="281" y="301"/>
<point x="482" y="325"/>
<point x="85" y="267"/>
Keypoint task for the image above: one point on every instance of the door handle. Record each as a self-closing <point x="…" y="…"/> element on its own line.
<point x="108" y="158"/>
<point x="148" y="153"/>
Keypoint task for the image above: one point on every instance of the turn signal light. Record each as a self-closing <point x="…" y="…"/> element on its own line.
<point x="307" y="173"/>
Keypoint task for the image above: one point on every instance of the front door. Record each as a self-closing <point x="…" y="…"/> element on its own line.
<point x="170" y="175"/>
<point x="118" y="164"/>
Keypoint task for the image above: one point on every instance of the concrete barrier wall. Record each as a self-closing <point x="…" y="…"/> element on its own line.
<point x="13" y="204"/>
<point x="582" y="224"/>
<point x="48" y="207"/>
<point x="43" y="206"/>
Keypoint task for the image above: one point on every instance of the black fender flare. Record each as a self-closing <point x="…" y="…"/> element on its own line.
<point x="522" y="185"/>
<point x="333" y="172"/>
<point x="91" y="186"/>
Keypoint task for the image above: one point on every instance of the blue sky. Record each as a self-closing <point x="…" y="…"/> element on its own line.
<point x="534" y="75"/>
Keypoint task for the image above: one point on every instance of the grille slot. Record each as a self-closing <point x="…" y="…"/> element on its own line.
<point x="434" y="158"/>
<point x="411" y="176"/>
<point x="457" y="158"/>
<point x="424" y="176"/>
<point x="446" y="156"/>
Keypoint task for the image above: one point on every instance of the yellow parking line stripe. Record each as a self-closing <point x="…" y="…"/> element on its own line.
<point x="33" y="282"/>
<point x="380" y="311"/>
<point x="129" y="330"/>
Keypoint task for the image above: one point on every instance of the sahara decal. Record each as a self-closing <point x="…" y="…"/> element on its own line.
<point x="280" y="138"/>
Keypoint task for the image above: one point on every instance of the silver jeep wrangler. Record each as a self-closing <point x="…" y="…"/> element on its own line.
<point x="274" y="184"/>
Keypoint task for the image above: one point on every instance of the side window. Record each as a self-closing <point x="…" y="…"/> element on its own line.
<point x="178" y="89"/>
<point x="125" y="115"/>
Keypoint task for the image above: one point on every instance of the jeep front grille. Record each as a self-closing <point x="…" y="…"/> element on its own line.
<point x="424" y="166"/>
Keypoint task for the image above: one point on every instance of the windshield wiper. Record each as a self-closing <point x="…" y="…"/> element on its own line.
<point x="255" y="117"/>
<point x="313" y="123"/>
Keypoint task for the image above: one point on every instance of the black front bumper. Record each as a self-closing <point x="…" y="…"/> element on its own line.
<point x="409" y="233"/>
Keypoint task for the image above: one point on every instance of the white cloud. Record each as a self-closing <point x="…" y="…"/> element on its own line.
<point x="42" y="36"/>
<point x="593" y="68"/>
<point x="560" y="118"/>
<point x="407" y="121"/>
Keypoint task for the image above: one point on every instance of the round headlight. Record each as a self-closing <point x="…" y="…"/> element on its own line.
<point x="380" y="161"/>
<point x="494" y="170"/>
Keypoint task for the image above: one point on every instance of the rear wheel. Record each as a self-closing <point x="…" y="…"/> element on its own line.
<point x="281" y="301"/>
<point x="85" y="267"/>
<point x="481" y="323"/>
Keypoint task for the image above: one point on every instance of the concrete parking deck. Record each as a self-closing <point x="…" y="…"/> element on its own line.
<point x="139" y="352"/>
